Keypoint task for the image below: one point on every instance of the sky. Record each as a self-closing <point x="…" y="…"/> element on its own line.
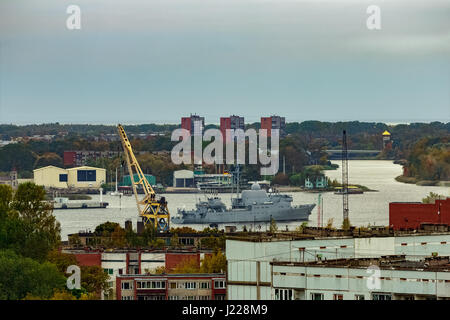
<point x="154" y="61"/>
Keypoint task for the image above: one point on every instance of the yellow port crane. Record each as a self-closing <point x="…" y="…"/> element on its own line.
<point x="155" y="211"/>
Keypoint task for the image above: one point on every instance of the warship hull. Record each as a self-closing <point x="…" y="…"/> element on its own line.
<point x="297" y="213"/>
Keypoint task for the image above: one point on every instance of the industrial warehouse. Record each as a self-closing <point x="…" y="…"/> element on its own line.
<point x="79" y="177"/>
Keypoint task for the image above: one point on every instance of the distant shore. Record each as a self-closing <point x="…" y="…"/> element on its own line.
<point x="418" y="182"/>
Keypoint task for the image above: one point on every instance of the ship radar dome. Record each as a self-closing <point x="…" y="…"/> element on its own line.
<point x="256" y="186"/>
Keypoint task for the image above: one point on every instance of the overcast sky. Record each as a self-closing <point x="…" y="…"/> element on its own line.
<point x="142" y="61"/>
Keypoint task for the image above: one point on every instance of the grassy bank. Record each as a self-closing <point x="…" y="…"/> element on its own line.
<point x="413" y="180"/>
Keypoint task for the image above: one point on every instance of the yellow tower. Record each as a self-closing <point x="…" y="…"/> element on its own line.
<point x="386" y="138"/>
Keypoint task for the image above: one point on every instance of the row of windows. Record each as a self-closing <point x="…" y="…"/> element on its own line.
<point x="82" y="175"/>
<point x="163" y="297"/>
<point x="189" y="297"/>
<point x="339" y="296"/>
<point x="86" y="175"/>
<point x="283" y="294"/>
<point x="190" y="285"/>
<point x="151" y="284"/>
<point x="161" y="284"/>
<point x="158" y="297"/>
<point x="287" y="294"/>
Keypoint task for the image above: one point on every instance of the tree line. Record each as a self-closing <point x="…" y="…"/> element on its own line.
<point x="31" y="265"/>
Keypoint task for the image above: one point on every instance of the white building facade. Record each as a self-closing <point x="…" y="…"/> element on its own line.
<point x="249" y="275"/>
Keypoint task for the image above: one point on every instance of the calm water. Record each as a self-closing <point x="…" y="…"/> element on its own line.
<point x="370" y="207"/>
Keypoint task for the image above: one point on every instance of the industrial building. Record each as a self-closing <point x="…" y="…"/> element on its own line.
<point x="183" y="179"/>
<point x="274" y="122"/>
<point x="397" y="278"/>
<point x="171" y="287"/>
<point x="79" y="177"/>
<point x="411" y="215"/>
<point x="199" y="179"/>
<point x="249" y="272"/>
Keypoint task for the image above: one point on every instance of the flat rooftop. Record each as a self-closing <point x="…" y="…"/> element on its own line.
<point x="313" y="233"/>
<point x="394" y="262"/>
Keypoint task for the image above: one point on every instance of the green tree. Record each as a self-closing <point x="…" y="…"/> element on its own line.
<point x="346" y="224"/>
<point x="118" y="237"/>
<point x="20" y="276"/>
<point x="61" y="260"/>
<point x="28" y="225"/>
<point x="106" y="228"/>
<point x="432" y="197"/>
<point x="215" y="263"/>
<point x="94" y="280"/>
<point x="187" y="265"/>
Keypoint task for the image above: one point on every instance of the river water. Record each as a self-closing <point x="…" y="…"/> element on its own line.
<point x="368" y="208"/>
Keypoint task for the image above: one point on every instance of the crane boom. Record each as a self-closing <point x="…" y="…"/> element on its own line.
<point x="154" y="211"/>
<point x="344" y="176"/>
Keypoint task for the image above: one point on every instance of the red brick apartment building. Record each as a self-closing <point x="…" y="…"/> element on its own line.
<point x="232" y="123"/>
<point x="189" y="123"/>
<point x="171" y="287"/>
<point x="411" y="215"/>
<point x="273" y="122"/>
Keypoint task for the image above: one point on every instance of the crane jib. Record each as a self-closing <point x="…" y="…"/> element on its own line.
<point x="155" y="211"/>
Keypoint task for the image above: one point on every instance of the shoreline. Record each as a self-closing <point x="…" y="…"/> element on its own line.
<point x="422" y="183"/>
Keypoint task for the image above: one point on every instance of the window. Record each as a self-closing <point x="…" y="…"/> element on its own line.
<point x="173" y="285"/>
<point x="219" y="297"/>
<point x="205" y="285"/>
<point x="108" y="271"/>
<point x="127" y="298"/>
<point x="359" y="297"/>
<point x="174" y="298"/>
<point x="63" y="177"/>
<point x="381" y="296"/>
<point x="127" y="285"/>
<point x="190" y="285"/>
<point x="283" y="294"/>
<point x="219" y="284"/>
<point x="316" y="296"/>
<point x="338" y="297"/>
<point x="204" y="298"/>
<point x="86" y="175"/>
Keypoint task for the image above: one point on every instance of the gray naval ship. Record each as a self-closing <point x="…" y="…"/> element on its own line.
<point x="254" y="205"/>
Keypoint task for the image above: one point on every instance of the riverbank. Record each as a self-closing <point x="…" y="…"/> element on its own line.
<point x="413" y="180"/>
<point x="331" y="189"/>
